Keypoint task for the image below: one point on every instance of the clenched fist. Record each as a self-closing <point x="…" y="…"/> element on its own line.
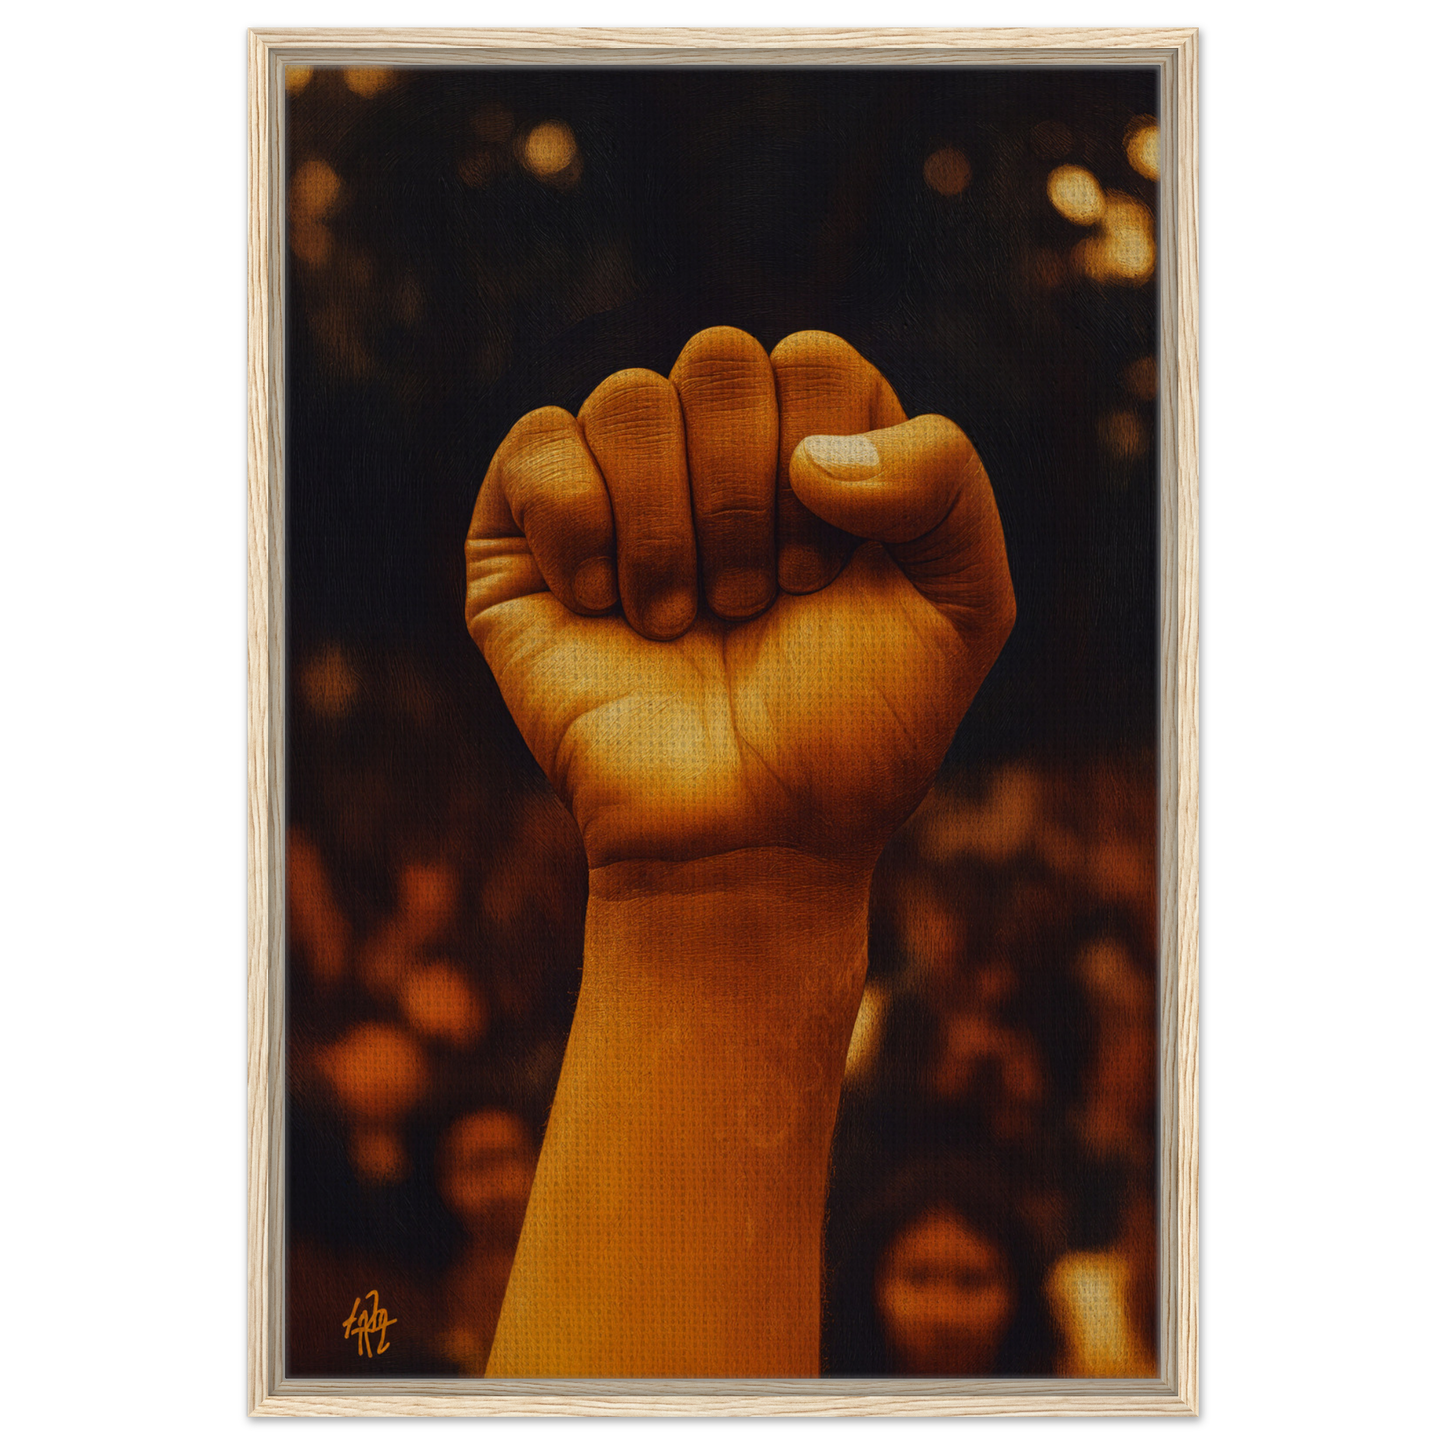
<point x="739" y="702"/>
<point x="671" y="592"/>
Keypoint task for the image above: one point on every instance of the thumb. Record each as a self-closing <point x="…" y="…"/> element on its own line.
<point x="921" y="490"/>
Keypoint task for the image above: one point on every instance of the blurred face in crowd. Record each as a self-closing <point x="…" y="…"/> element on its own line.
<point x="945" y="1296"/>
<point x="486" y="1165"/>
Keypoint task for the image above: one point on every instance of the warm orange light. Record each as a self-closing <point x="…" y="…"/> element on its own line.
<point x="867" y="1033"/>
<point x="1129" y="235"/>
<point x="329" y="683"/>
<point x="1124" y="251"/>
<point x="1141" y="145"/>
<point x="485" y="1164"/>
<point x="378" y="1072"/>
<point x="1141" y="378"/>
<point x="488" y="1131"/>
<point x="1122" y="433"/>
<point x="378" y="1156"/>
<point x="311" y="241"/>
<point x="426" y="898"/>
<point x="439" y="1003"/>
<point x="1076" y="195"/>
<point x="549" y="149"/>
<point x="947" y="171"/>
<point x="367" y="81"/>
<point x="315" y="189"/>
<point x="312" y="913"/>
<point x="298" y="77"/>
<point x="997" y="828"/>
<point x="1089" y="1297"/>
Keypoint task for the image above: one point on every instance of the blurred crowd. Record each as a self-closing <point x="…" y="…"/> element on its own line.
<point x="467" y="244"/>
<point x="993" y="1199"/>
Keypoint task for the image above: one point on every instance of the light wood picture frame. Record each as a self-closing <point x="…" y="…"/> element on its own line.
<point x="1174" y="54"/>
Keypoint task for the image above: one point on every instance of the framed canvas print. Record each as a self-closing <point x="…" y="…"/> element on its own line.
<point x="723" y="722"/>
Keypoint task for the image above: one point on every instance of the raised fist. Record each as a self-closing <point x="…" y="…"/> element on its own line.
<point x="671" y="592"/>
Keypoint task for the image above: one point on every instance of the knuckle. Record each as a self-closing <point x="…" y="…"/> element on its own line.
<point x="804" y="347"/>
<point x="717" y="341"/>
<point x="723" y="381"/>
<point x="546" y="423"/>
<point x="655" y="556"/>
<point x="724" y="338"/>
<point x="566" y="519"/>
<point x="816" y="367"/>
<point x="630" y="402"/>
<point x="739" y="514"/>
<point x="722" y="362"/>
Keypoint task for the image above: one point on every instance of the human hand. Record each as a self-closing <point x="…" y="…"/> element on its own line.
<point x="805" y="700"/>
<point x="739" y="703"/>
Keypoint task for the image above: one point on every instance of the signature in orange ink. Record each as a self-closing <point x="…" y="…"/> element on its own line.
<point x="366" y="1323"/>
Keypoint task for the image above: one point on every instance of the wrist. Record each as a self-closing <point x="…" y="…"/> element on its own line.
<point x="677" y="1217"/>
<point x="723" y="991"/>
<point x="753" y="924"/>
<point x="738" y="974"/>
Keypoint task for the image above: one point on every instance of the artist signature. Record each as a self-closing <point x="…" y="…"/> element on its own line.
<point x="366" y="1323"/>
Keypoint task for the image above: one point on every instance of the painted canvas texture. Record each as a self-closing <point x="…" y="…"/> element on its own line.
<point x="721" y="514"/>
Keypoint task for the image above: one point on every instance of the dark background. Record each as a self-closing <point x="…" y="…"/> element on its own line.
<point x="439" y="287"/>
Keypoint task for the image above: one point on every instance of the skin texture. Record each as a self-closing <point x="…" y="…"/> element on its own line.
<point x="737" y="614"/>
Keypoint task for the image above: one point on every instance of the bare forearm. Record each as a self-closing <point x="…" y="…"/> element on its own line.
<point x="675" y="1224"/>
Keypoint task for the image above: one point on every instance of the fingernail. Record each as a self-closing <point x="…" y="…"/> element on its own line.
<point x="849" y="459"/>
<point x="670" y="613"/>
<point x="741" y="591"/>
<point x="593" y="586"/>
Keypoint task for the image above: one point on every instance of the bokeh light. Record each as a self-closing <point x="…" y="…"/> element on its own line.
<point x="379" y="1156"/>
<point x="1141" y="145"/>
<point x="370" y="80"/>
<point x="492" y="126"/>
<point x="947" y="171"/>
<point x="1129" y="236"/>
<point x="378" y="1072"/>
<point x="314" y="190"/>
<point x="549" y="149"/>
<point x="314" y="918"/>
<point x="311" y="241"/>
<point x="427" y="894"/>
<point x="1089" y="1294"/>
<point x="314" y="193"/>
<point x="1076" y="195"/>
<point x="440" y="1004"/>
<point x="298" y="77"/>
<point x="1141" y="378"/>
<point x="1123" y="252"/>
<point x="329" y="683"/>
<point x="1123" y="435"/>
